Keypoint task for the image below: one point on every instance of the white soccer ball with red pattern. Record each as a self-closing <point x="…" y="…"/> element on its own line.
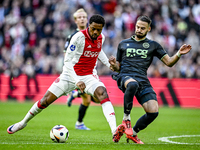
<point x="59" y="134"/>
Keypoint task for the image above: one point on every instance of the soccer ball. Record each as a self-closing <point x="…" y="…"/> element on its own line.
<point x="59" y="134"/>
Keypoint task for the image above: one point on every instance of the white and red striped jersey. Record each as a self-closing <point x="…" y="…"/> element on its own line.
<point x="82" y="54"/>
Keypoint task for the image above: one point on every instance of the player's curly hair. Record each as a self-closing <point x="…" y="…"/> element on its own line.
<point x="145" y="19"/>
<point x="97" y="19"/>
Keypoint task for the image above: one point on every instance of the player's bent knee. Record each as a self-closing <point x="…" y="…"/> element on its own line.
<point x="151" y="106"/>
<point x="86" y="99"/>
<point x="132" y="85"/>
<point x="86" y="102"/>
<point x="100" y="93"/>
<point x="47" y="99"/>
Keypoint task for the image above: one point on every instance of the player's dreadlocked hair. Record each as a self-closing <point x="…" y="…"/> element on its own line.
<point x="97" y="19"/>
<point x="145" y="19"/>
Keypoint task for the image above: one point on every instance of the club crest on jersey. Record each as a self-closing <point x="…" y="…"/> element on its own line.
<point x="145" y="45"/>
<point x="72" y="47"/>
<point x="57" y="80"/>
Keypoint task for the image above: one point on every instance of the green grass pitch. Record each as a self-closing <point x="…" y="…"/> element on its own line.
<point x="183" y="123"/>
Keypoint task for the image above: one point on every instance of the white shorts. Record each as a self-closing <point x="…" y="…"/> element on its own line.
<point x="63" y="85"/>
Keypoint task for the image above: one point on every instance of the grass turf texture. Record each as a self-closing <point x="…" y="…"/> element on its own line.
<point x="170" y="122"/>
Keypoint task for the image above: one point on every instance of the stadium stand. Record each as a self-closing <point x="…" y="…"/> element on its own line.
<point x="33" y="33"/>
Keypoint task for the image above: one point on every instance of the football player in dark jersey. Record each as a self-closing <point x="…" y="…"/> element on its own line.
<point x="80" y="18"/>
<point x="134" y="56"/>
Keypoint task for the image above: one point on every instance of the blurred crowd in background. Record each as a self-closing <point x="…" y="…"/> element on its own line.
<point x="33" y="33"/>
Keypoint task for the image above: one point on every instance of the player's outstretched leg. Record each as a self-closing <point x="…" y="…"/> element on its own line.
<point x="141" y="124"/>
<point x="15" y="127"/>
<point x="35" y="109"/>
<point x="118" y="133"/>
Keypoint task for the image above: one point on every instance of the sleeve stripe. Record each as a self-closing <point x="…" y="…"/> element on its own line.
<point x="163" y="56"/>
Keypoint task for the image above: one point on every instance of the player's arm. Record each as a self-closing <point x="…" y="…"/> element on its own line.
<point x="170" y="61"/>
<point x="66" y="45"/>
<point x="73" y="54"/>
<point x="103" y="58"/>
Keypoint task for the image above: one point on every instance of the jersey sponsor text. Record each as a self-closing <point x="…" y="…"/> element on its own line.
<point x="91" y="54"/>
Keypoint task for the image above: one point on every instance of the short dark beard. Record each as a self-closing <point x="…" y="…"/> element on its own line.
<point x="93" y="38"/>
<point x="141" y="36"/>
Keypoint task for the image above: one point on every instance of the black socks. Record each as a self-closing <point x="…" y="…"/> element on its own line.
<point x="82" y="111"/>
<point x="144" y="121"/>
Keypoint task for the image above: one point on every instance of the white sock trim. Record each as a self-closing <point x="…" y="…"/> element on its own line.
<point x="134" y="133"/>
<point x="79" y="123"/>
<point x="127" y="117"/>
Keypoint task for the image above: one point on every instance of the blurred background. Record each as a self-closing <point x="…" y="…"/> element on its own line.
<point x="33" y="34"/>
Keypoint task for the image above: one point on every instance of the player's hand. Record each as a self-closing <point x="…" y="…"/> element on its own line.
<point x="81" y="86"/>
<point x="114" y="65"/>
<point x="185" y="49"/>
<point x="112" y="60"/>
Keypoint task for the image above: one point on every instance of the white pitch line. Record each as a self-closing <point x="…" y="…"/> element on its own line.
<point x="31" y="143"/>
<point x="163" y="139"/>
<point x="166" y="139"/>
<point x="45" y="143"/>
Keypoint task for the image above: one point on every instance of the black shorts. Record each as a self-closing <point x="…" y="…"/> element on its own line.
<point x="145" y="91"/>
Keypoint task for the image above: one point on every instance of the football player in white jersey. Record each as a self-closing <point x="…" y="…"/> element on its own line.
<point x="80" y="60"/>
<point x="80" y="18"/>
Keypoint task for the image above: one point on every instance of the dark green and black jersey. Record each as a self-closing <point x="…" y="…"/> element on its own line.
<point x="136" y="56"/>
